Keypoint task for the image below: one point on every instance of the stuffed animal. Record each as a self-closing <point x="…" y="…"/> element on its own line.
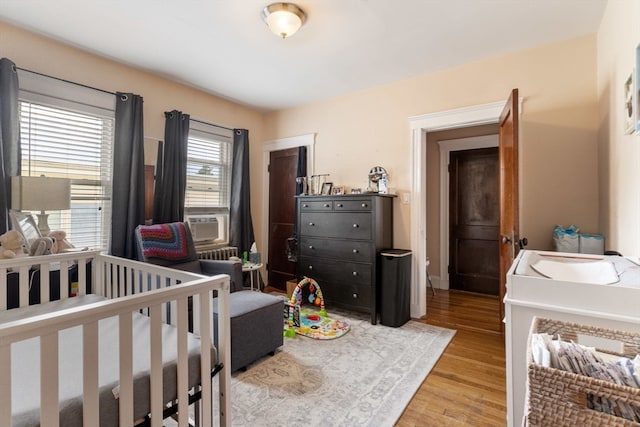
<point x="11" y="245"/>
<point x="41" y="246"/>
<point x="60" y="242"/>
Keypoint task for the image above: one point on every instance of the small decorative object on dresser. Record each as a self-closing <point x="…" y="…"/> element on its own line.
<point x="378" y="180"/>
<point x="326" y="188"/>
<point x="338" y="241"/>
<point x="337" y="190"/>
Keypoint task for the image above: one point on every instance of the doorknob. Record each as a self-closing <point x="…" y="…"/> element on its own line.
<point x="510" y="240"/>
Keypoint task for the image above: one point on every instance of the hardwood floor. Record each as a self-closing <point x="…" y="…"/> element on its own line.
<point x="467" y="385"/>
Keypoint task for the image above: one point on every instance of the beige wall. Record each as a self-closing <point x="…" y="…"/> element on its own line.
<point x="43" y="55"/>
<point x="371" y="127"/>
<point x="619" y="154"/>
<point x="558" y="176"/>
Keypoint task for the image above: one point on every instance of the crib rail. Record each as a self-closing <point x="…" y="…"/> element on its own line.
<point x="134" y="287"/>
<point x="17" y="276"/>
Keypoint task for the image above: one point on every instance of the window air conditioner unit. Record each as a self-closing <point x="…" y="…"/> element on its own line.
<point x="203" y="227"/>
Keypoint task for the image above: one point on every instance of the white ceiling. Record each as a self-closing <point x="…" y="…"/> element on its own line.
<point x="223" y="47"/>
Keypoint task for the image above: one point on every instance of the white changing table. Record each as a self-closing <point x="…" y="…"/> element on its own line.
<point x="529" y="294"/>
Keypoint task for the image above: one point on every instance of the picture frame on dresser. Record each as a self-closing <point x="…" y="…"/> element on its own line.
<point x="326" y="188"/>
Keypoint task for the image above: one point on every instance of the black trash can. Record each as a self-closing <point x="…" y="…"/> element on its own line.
<point x="395" y="287"/>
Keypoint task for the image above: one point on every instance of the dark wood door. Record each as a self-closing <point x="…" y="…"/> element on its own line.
<point x="509" y="196"/>
<point x="149" y="189"/>
<point x="283" y="165"/>
<point x="474" y="220"/>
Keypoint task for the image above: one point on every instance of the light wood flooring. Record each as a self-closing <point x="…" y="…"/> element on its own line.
<point x="467" y="385"/>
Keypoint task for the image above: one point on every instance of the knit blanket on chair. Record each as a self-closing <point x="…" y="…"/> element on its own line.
<point x="166" y="241"/>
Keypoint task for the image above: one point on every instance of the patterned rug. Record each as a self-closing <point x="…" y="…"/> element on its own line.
<point x="365" y="378"/>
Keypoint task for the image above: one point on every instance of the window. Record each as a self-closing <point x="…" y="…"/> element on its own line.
<point x="208" y="182"/>
<point x="67" y="131"/>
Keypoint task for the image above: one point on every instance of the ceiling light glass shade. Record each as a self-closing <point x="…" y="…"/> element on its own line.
<point x="284" y="19"/>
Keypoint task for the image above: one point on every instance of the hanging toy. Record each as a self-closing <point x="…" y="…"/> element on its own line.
<point x="296" y="299"/>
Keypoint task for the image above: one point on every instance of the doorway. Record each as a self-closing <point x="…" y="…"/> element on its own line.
<point x="422" y="127"/>
<point x="443" y="144"/>
<point x="456" y="305"/>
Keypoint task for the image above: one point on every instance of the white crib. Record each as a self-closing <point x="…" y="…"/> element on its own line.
<point x="137" y="293"/>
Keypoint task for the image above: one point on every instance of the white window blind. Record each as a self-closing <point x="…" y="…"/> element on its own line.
<point x="70" y="138"/>
<point x="209" y="173"/>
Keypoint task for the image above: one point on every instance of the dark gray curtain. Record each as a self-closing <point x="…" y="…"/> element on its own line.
<point x="9" y="137"/>
<point x="301" y="172"/>
<point x="302" y="167"/>
<point x="241" y="226"/>
<point x="128" y="175"/>
<point x="292" y="242"/>
<point x="171" y="170"/>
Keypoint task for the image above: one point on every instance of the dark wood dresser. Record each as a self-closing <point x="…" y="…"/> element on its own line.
<point x="339" y="238"/>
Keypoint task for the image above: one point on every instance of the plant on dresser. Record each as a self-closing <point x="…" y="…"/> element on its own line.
<point x="339" y="238"/>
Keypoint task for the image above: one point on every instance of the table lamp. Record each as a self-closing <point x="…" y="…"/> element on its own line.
<point x="42" y="194"/>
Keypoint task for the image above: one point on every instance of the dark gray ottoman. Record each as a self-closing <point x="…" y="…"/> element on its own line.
<point x="256" y="326"/>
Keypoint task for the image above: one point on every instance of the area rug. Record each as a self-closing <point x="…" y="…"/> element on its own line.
<point x="365" y="378"/>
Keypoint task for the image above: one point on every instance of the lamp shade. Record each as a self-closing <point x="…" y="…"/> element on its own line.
<point x="283" y="19"/>
<point x="40" y="193"/>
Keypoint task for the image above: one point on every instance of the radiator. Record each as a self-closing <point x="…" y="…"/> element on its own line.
<point x="217" y="253"/>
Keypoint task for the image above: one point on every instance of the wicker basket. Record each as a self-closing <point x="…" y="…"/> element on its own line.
<point x="559" y="398"/>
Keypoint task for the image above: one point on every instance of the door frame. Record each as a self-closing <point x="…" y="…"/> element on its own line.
<point x="419" y="126"/>
<point x="308" y="140"/>
<point x="446" y="147"/>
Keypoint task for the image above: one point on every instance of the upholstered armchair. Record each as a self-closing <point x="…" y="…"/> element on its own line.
<point x="256" y="317"/>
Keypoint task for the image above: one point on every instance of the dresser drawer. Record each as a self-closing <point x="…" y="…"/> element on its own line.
<point x="316" y="205"/>
<point x="347" y="225"/>
<point x="330" y="270"/>
<point x="352" y="205"/>
<point x="346" y="250"/>
<point x="347" y="295"/>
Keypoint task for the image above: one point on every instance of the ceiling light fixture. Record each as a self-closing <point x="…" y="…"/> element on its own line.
<point x="284" y="19"/>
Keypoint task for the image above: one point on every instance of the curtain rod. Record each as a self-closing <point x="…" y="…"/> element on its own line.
<point x="105" y="91"/>
<point x="209" y="123"/>
<point x="66" y="81"/>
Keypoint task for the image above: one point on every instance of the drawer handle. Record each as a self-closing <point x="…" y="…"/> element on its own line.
<point x="339" y="205"/>
<point x="355" y="296"/>
<point x="355" y="226"/>
<point x="364" y="205"/>
<point x="304" y="205"/>
<point x="311" y="267"/>
<point x="355" y="251"/>
<point x="355" y="273"/>
<point x="311" y="224"/>
<point x="310" y="246"/>
<point x="326" y="205"/>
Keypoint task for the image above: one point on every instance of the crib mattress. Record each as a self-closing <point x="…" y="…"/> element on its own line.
<point x="25" y="355"/>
